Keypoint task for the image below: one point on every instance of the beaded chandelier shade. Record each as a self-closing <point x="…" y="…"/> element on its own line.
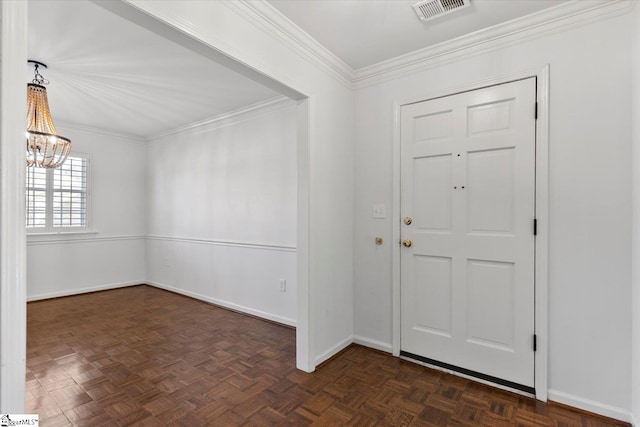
<point x="45" y="148"/>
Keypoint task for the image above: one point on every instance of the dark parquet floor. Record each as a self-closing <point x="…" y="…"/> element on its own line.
<point x="146" y="357"/>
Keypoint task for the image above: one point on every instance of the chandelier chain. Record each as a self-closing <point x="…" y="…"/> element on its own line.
<point x="37" y="77"/>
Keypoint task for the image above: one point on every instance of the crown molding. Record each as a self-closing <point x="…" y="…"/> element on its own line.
<point x="272" y="21"/>
<point x="234" y="116"/>
<point x="91" y="129"/>
<point x="553" y="20"/>
<point x="230" y="117"/>
<point x="267" y="18"/>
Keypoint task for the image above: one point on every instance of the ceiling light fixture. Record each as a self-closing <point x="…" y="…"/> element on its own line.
<point x="45" y="148"/>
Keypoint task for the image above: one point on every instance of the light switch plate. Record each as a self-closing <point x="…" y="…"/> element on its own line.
<point x="379" y="211"/>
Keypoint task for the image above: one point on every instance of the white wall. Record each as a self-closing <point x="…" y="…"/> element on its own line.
<point x="235" y="30"/>
<point x="635" y="299"/>
<point x="114" y="254"/>
<point x="590" y="204"/>
<point x="221" y="212"/>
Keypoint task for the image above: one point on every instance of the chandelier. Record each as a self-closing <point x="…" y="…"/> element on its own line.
<point x="45" y="148"/>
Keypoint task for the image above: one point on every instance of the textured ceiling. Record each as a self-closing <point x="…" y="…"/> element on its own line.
<point x="363" y="33"/>
<point x="109" y="73"/>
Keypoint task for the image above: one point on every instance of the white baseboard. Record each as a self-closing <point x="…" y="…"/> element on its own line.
<point x="591" y="406"/>
<point x="70" y="292"/>
<point x="333" y="350"/>
<point x="226" y="304"/>
<point x="368" y="342"/>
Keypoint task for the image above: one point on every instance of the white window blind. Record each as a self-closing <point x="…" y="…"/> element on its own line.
<point x="70" y="193"/>
<point x="57" y="198"/>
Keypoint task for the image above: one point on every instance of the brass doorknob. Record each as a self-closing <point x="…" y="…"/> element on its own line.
<point x="406" y="243"/>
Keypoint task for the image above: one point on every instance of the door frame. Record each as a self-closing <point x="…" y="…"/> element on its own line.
<point x="13" y="249"/>
<point x="541" y="213"/>
<point x="171" y="28"/>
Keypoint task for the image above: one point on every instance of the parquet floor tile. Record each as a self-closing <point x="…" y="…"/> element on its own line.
<point x="141" y="356"/>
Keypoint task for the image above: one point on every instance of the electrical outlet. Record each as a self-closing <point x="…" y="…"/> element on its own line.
<point x="283" y="285"/>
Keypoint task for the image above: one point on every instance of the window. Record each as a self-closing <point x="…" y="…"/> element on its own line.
<point x="57" y="198"/>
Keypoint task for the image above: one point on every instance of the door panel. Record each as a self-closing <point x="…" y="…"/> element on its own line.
<point x="490" y="176"/>
<point x="468" y="182"/>
<point x="490" y="284"/>
<point x="433" y="126"/>
<point x="490" y="117"/>
<point x="432" y="306"/>
<point x="433" y="202"/>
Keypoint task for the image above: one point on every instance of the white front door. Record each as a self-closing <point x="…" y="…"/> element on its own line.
<point x="468" y="204"/>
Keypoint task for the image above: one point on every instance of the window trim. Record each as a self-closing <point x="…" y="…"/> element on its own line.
<point x="49" y="228"/>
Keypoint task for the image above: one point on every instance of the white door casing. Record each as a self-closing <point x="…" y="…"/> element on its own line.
<point x="468" y="183"/>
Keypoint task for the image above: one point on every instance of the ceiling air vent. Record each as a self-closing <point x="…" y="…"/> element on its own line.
<point x="431" y="9"/>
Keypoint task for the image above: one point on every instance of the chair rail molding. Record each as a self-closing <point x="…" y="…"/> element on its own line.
<point x="214" y="242"/>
